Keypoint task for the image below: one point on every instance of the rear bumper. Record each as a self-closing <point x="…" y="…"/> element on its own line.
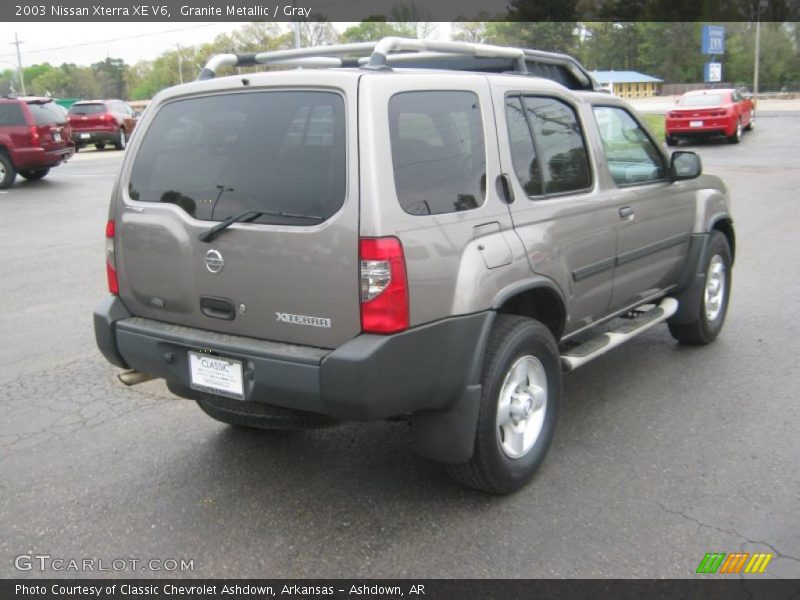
<point x="370" y="377"/>
<point x="94" y="136"/>
<point x="683" y="130"/>
<point x="39" y="158"/>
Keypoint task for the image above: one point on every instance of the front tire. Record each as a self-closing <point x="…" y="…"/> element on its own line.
<point x="521" y="387"/>
<point x="714" y="296"/>
<point x="100" y="146"/>
<point x="34" y="175"/>
<point x="7" y="172"/>
<point x="752" y="122"/>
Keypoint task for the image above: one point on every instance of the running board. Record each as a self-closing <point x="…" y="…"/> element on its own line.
<point x="580" y="355"/>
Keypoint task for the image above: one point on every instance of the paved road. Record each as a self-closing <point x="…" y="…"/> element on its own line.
<point x="663" y="452"/>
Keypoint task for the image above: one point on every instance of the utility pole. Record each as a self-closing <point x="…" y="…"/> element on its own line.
<point x="757" y="57"/>
<point x="296" y="26"/>
<point x="762" y="4"/>
<point x="180" y="62"/>
<point x="16" y="42"/>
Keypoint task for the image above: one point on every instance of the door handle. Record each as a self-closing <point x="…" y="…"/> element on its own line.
<point x="626" y="213"/>
<point x="504" y="189"/>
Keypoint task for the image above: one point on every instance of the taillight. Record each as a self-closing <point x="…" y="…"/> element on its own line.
<point x="111" y="272"/>
<point x="384" y="289"/>
<point x="34" y="132"/>
<point x="107" y="117"/>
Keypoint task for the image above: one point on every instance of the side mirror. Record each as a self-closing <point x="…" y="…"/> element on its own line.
<point x="685" y="165"/>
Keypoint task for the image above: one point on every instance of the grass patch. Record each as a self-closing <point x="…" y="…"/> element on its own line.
<point x="656" y="124"/>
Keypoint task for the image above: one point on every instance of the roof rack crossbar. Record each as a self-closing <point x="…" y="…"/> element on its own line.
<point x="377" y="59"/>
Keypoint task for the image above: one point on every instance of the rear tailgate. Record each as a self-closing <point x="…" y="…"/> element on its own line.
<point x="51" y="125"/>
<point x="201" y="159"/>
<point x="90" y="116"/>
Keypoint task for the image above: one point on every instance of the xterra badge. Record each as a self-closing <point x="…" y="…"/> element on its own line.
<point x="303" y="320"/>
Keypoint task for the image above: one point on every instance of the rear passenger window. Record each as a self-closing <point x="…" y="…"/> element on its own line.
<point x="438" y="151"/>
<point x="11" y="114"/>
<point x="547" y="147"/>
<point x="557" y="133"/>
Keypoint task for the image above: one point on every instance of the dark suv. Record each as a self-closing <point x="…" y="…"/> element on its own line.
<point x="101" y="122"/>
<point x="34" y="136"/>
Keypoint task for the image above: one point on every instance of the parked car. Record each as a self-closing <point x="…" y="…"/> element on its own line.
<point x="435" y="244"/>
<point x="34" y="137"/>
<point x="101" y="122"/>
<point x="709" y="113"/>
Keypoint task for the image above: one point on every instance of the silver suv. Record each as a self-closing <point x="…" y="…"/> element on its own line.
<point x="431" y="231"/>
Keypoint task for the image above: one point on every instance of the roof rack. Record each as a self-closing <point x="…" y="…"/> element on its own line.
<point x="406" y="52"/>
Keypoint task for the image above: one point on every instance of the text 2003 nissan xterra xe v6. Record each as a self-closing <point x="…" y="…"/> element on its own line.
<point x="423" y="230"/>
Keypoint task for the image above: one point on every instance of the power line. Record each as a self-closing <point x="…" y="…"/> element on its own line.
<point x="118" y="39"/>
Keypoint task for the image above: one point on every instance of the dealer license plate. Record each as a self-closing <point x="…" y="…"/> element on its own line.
<point x="84" y="136"/>
<point x="57" y="136"/>
<point x="216" y="375"/>
<point x="695" y="123"/>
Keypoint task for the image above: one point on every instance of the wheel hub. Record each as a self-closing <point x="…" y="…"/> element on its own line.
<point x="715" y="288"/>
<point x="522" y="406"/>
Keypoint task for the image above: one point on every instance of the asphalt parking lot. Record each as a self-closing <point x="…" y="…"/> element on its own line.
<point x="663" y="452"/>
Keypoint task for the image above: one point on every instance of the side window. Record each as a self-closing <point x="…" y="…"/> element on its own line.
<point x="631" y="155"/>
<point x="561" y="147"/>
<point x="523" y="152"/>
<point x="11" y="114"/>
<point x="438" y="151"/>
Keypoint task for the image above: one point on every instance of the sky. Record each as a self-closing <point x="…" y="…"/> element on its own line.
<point x="87" y="43"/>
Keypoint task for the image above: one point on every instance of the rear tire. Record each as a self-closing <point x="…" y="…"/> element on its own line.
<point x="714" y="296"/>
<point x="671" y="141"/>
<point x="737" y="134"/>
<point x="34" y="175"/>
<point x="7" y="171"/>
<point x="521" y="383"/>
<point x="121" y="140"/>
<point x="255" y="415"/>
<point x="100" y="146"/>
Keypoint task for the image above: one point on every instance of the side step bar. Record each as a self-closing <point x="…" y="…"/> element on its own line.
<point x="580" y="355"/>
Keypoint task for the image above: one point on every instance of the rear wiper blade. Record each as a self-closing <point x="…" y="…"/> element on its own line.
<point x="250" y="215"/>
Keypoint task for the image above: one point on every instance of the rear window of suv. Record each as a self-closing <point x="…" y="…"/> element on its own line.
<point x="87" y="109"/>
<point x="46" y="113"/>
<point x="438" y="152"/>
<point x="218" y="156"/>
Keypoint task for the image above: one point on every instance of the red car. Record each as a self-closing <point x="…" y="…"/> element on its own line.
<point x="708" y="113"/>
<point x="34" y="137"/>
<point x="101" y="122"/>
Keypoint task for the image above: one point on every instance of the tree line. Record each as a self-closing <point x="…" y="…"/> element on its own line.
<point x="667" y="50"/>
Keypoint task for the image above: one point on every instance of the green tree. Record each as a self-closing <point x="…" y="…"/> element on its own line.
<point x="370" y="29"/>
<point x="554" y="37"/>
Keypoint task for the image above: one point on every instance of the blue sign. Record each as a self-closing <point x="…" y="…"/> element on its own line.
<point x="713" y="40"/>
